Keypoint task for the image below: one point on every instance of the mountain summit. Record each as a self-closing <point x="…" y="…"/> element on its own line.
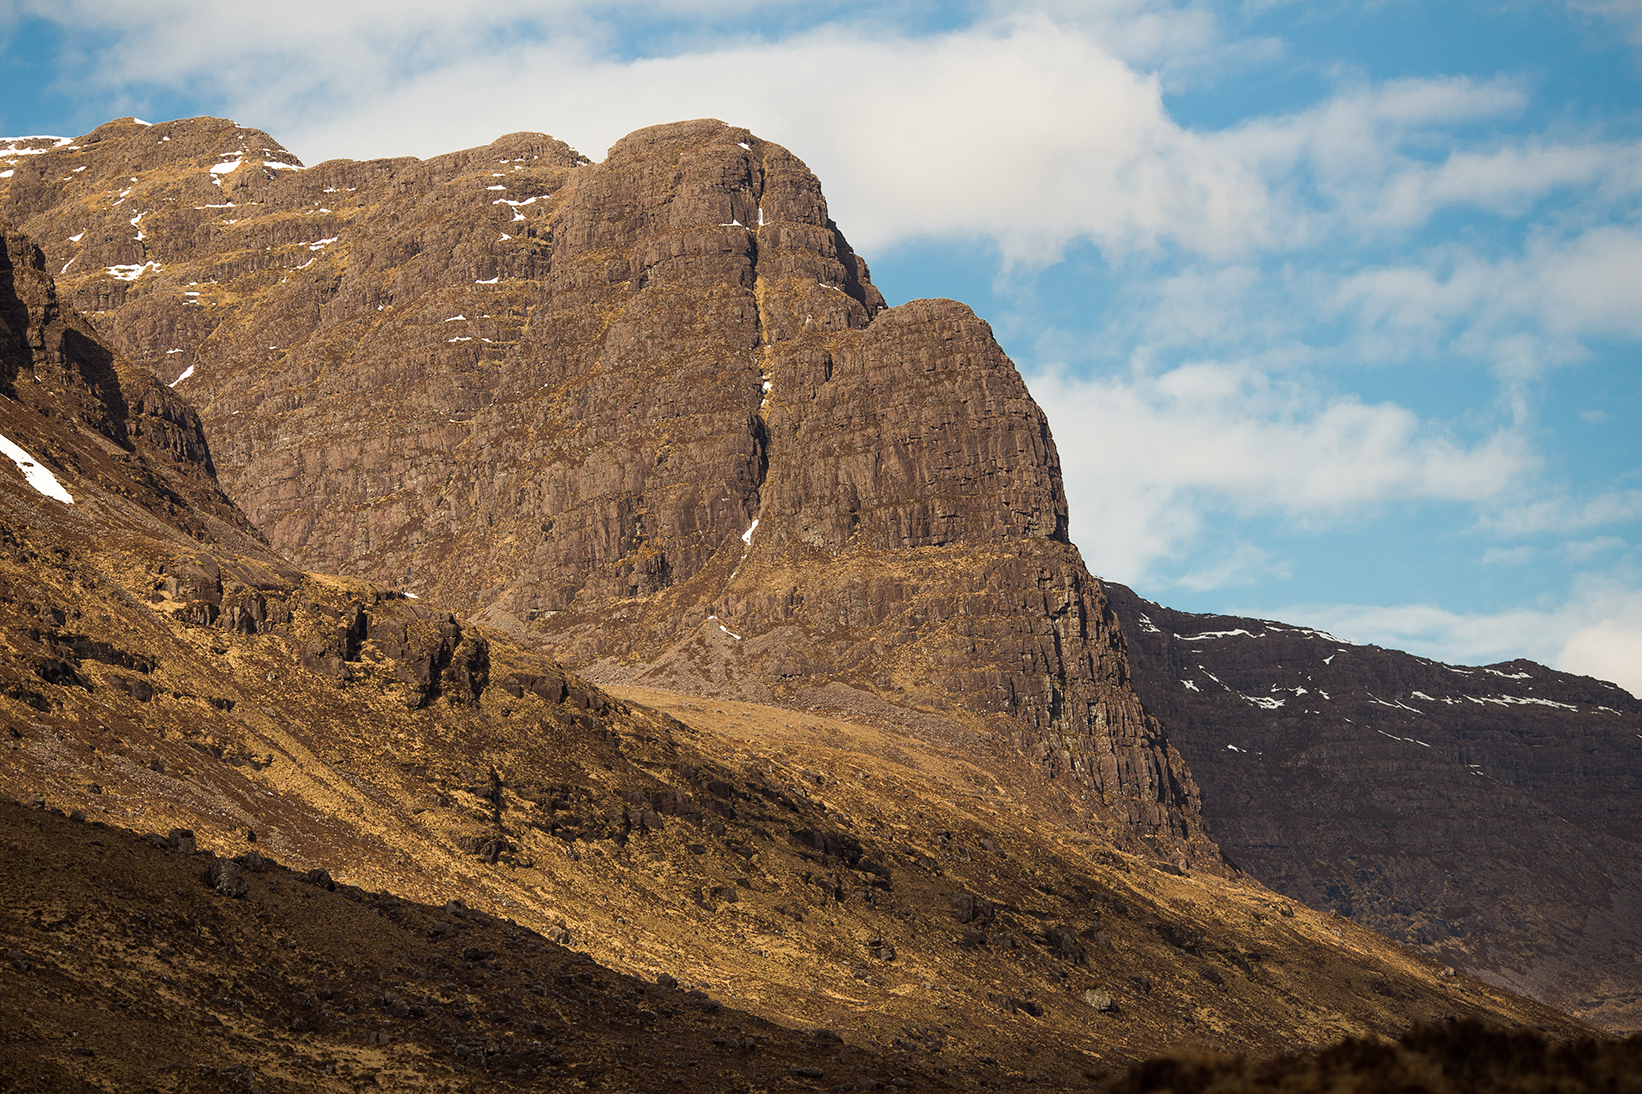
<point x="770" y="659"/>
<point x="648" y="414"/>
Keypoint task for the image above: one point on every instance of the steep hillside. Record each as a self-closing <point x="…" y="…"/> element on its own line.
<point x="133" y="964"/>
<point x="1490" y="816"/>
<point x="621" y="411"/>
<point x="908" y="886"/>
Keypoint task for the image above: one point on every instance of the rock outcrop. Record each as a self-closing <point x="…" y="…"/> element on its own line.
<point x="648" y="414"/>
<point x="1488" y="815"/>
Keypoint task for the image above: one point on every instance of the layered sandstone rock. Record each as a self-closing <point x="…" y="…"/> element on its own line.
<point x="559" y="395"/>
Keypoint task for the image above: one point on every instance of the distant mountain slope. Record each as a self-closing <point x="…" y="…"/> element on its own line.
<point x="648" y="414"/>
<point x="1491" y="816"/>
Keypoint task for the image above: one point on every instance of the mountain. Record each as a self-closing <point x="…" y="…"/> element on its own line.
<point x="1489" y="816"/>
<point x="649" y="415"/>
<point x="210" y="739"/>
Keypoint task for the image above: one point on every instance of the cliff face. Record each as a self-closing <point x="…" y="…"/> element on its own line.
<point x="558" y="395"/>
<point x="1486" y="815"/>
<point x="77" y="406"/>
<point x="375" y="831"/>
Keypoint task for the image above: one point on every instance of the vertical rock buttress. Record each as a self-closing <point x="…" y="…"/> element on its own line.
<point x="558" y="395"/>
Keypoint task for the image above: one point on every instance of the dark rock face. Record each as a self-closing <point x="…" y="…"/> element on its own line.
<point x="1489" y="815"/>
<point x="649" y="414"/>
<point x="133" y="437"/>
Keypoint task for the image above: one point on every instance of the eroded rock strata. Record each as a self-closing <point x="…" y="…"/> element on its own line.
<point x="649" y="414"/>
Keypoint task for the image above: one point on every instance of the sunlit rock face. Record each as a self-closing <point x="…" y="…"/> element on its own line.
<point x="558" y="395"/>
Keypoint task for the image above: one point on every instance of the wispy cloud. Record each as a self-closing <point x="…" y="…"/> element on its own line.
<point x="1035" y="126"/>
<point x="1626" y="15"/>
<point x="1148" y="458"/>
<point x="1562" y="514"/>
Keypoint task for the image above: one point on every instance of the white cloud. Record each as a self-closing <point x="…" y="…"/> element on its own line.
<point x="1626" y="13"/>
<point x="1520" y="314"/>
<point x="1608" y="649"/>
<point x="1509" y="556"/>
<point x="1033" y="125"/>
<point x="1243" y="564"/>
<point x="1025" y="130"/>
<point x="1019" y="127"/>
<point x="1148" y="458"/>
<point x="1584" y="550"/>
<point x="1565" y="514"/>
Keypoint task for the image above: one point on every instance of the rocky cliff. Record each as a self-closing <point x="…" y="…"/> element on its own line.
<point x="304" y="832"/>
<point x="1488" y="815"/>
<point x="649" y="414"/>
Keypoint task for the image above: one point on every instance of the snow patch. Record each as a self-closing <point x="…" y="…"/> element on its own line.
<point x="1190" y="685"/>
<point x="454" y="318"/>
<point x="43" y="481"/>
<point x="1263" y="702"/>
<point x="1514" y="700"/>
<point x="13" y="149"/>
<point x="1148" y="626"/>
<point x="492" y="281"/>
<point x="186" y="373"/>
<point x="129" y="273"/>
<point x="747" y="536"/>
<point x="77" y="238"/>
<point x="1218" y="634"/>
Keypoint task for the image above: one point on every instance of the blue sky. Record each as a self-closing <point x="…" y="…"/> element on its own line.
<point x="1335" y="307"/>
